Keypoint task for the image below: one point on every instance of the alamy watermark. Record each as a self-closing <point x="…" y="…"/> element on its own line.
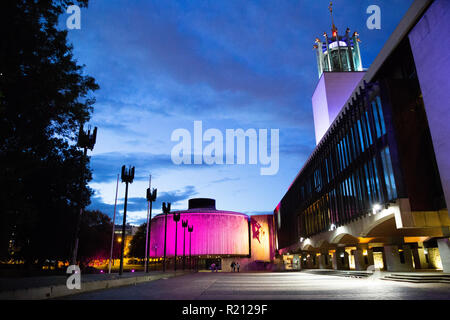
<point x="74" y="280"/>
<point x="374" y="20"/>
<point x="74" y="20"/>
<point x="190" y="150"/>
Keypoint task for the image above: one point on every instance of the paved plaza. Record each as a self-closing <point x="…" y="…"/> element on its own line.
<point x="271" y="286"/>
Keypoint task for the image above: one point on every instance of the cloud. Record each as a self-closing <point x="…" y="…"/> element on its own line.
<point x="139" y="204"/>
<point x="106" y="166"/>
<point x="225" y="180"/>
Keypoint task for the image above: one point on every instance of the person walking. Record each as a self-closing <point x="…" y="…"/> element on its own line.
<point x="233" y="266"/>
<point x="213" y="267"/>
<point x="238" y="266"/>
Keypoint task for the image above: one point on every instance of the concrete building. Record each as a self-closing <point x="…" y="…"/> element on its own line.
<point x="375" y="190"/>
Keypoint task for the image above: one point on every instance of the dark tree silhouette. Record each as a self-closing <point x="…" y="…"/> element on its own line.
<point x="44" y="97"/>
<point x="95" y="236"/>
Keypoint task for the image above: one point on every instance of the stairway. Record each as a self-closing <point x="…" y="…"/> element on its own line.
<point x="340" y="273"/>
<point x="419" y="277"/>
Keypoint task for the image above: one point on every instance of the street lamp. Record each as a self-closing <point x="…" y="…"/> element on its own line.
<point x="176" y="218"/>
<point x="127" y="177"/>
<point x="86" y="140"/>
<point x="113" y="226"/>
<point x="190" y="229"/>
<point x="184" y="224"/>
<point x="166" y="210"/>
<point x="151" y="196"/>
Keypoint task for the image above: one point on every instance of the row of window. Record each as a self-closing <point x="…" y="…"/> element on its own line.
<point x="342" y="194"/>
<point x="350" y="147"/>
<point x="352" y="198"/>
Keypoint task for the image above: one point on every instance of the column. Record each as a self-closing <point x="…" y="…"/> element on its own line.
<point x="324" y="260"/>
<point x="420" y="261"/>
<point x="360" y="263"/>
<point x="363" y="257"/>
<point x="444" y="251"/>
<point x="394" y="260"/>
<point x="340" y="259"/>
<point x="296" y="265"/>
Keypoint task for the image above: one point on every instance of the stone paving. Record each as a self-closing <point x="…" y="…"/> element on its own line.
<point x="12" y="283"/>
<point x="271" y="286"/>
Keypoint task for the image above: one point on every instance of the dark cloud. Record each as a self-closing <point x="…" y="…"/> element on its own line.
<point x="106" y="166"/>
<point x="175" y="197"/>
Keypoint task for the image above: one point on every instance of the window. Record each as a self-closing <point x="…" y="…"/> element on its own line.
<point x="380" y="112"/>
<point x="317" y="180"/>
<point x="361" y="137"/>
<point x="378" y="117"/>
<point x="388" y="174"/>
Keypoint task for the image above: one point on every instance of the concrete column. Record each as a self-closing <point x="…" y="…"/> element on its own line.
<point x="444" y="251"/>
<point x="340" y="259"/>
<point x="393" y="261"/>
<point x="370" y="260"/>
<point x="296" y="265"/>
<point x="360" y="263"/>
<point x="316" y="259"/>
<point x="324" y="261"/>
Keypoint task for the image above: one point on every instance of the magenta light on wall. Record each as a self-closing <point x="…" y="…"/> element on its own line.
<point x="215" y="233"/>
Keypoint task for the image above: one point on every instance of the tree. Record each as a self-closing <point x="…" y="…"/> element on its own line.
<point x="95" y="236"/>
<point x="137" y="244"/>
<point x="44" y="98"/>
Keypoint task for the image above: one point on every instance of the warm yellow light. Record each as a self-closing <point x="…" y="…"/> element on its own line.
<point x="364" y="240"/>
<point x="119" y="240"/>
<point x="414" y="239"/>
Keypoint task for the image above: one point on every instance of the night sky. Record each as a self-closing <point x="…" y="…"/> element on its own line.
<point x="232" y="64"/>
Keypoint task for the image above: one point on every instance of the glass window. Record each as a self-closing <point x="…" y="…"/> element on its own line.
<point x="375" y="117"/>
<point x="380" y="112"/>
<point x="369" y="131"/>
<point x="361" y="137"/>
<point x="388" y="174"/>
<point x="377" y="181"/>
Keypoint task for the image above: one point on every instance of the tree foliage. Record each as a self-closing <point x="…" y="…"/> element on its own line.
<point x="44" y="98"/>
<point x="95" y="237"/>
<point x="137" y="244"/>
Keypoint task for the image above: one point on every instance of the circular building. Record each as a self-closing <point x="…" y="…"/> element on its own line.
<point x="214" y="232"/>
<point x="217" y="235"/>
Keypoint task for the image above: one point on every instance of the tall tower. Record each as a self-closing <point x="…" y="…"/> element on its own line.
<point x="340" y="70"/>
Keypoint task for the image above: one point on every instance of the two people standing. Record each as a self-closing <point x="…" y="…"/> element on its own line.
<point x="235" y="265"/>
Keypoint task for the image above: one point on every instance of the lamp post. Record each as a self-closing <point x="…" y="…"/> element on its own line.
<point x="190" y="229"/>
<point x="113" y="226"/>
<point x="151" y="196"/>
<point x="166" y="210"/>
<point x="86" y="140"/>
<point x="184" y="224"/>
<point x="127" y="177"/>
<point x="176" y="218"/>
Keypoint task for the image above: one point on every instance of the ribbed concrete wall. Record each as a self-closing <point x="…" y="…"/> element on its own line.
<point x="218" y="233"/>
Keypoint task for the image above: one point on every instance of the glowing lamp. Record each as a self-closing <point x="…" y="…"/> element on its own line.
<point x="376" y="208"/>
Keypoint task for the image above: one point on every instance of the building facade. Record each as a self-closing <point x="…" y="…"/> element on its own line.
<point x="374" y="191"/>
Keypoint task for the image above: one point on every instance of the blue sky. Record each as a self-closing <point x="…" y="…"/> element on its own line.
<point x="161" y="65"/>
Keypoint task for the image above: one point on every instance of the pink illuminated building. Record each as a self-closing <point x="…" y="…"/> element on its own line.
<point x="217" y="234"/>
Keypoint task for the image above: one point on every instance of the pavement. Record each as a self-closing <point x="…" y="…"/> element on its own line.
<point x="45" y="287"/>
<point x="271" y="286"/>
